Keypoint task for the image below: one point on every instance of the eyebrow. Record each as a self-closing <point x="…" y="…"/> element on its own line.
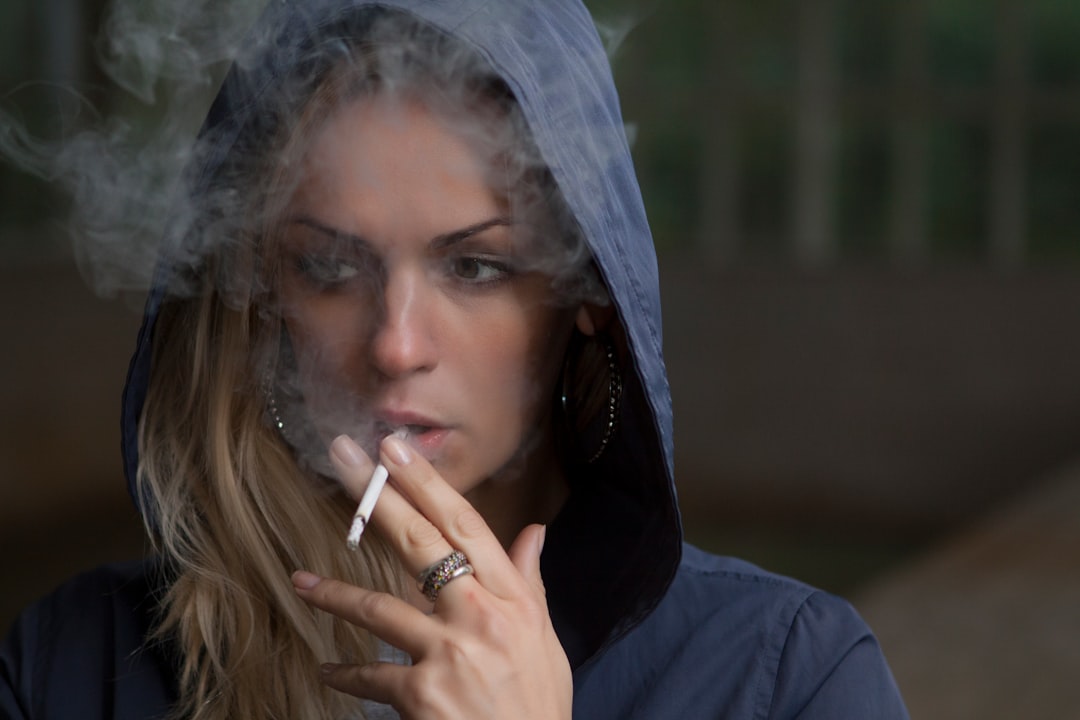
<point x="334" y="233"/>
<point x="447" y="239"/>
<point x="438" y="242"/>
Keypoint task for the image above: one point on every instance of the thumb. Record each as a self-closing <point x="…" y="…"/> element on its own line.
<point x="525" y="554"/>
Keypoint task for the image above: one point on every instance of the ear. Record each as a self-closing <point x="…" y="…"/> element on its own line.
<point x="594" y="318"/>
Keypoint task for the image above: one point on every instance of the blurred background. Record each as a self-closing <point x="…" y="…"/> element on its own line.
<point x="867" y="214"/>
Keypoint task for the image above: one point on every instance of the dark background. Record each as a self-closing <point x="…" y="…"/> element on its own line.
<point x="867" y="219"/>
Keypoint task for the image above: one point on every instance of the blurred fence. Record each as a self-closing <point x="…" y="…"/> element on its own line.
<point x="833" y="131"/>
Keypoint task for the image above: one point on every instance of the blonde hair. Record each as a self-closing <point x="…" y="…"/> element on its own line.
<point x="233" y="515"/>
<point x="227" y="504"/>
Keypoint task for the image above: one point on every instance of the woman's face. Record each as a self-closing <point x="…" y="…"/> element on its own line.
<point x="406" y="295"/>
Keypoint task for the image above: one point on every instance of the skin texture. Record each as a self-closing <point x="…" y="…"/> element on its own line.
<point x="407" y="296"/>
<point x="397" y="318"/>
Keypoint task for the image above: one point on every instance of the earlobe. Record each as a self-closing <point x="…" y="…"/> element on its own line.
<point x="593" y="318"/>
<point x="585" y="323"/>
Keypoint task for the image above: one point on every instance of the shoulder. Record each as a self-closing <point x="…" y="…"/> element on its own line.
<point x="715" y="589"/>
<point x="82" y="648"/>
<point x="102" y="587"/>
<point x="106" y="604"/>
<point x="731" y="640"/>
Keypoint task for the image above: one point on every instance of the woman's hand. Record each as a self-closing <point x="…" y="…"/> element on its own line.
<point x="488" y="650"/>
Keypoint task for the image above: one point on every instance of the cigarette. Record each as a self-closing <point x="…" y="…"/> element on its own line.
<point x="368" y="500"/>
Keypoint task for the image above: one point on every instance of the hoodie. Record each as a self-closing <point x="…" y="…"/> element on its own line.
<point x="653" y="628"/>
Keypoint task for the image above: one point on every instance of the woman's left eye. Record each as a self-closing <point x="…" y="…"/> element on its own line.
<point x="479" y="270"/>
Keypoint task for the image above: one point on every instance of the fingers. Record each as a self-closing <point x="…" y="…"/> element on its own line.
<point x="490" y="632"/>
<point x="425" y="519"/>
<point x="388" y="617"/>
<point x="378" y="681"/>
<point x="418" y="542"/>
<point x="353" y="465"/>
<point x="525" y="554"/>
<point x="452" y="517"/>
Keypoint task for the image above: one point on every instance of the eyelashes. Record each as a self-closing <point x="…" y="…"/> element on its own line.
<point x="480" y="270"/>
<point x="324" y="271"/>
<point x="328" y="272"/>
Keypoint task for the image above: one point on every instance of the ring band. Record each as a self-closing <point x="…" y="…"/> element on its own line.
<point x="435" y="577"/>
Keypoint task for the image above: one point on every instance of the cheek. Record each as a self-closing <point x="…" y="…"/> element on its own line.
<point x="326" y="337"/>
<point x="521" y="360"/>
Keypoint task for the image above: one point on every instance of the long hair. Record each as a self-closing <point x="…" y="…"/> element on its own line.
<point x="229" y="506"/>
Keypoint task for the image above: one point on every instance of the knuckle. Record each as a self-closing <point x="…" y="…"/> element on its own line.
<point x="373" y="605"/>
<point x="536" y="616"/>
<point x="453" y="651"/>
<point x="534" y="606"/>
<point x="425" y="697"/>
<point x="469" y="524"/>
<point x="486" y="622"/>
<point x="425" y="701"/>
<point x="492" y="624"/>
<point x="326" y="593"/>
<point x="420" y="534"/>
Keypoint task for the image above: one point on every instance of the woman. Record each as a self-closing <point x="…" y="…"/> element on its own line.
<point x="417" y="241"/>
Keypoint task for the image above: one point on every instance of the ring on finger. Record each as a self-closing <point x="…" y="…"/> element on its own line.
<point x="438" y="575"/>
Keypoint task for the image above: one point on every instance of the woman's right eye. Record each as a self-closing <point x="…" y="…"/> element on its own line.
<point x="326" y="272"/>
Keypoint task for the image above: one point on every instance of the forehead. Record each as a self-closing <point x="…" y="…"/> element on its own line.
<point x="387" y="156"/>
<point x="387" y="132"/>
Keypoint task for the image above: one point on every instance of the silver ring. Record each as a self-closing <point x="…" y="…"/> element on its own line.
<point x="436" y="576"/>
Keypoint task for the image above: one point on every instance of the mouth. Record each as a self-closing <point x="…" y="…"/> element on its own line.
<point x="417" y="427"/>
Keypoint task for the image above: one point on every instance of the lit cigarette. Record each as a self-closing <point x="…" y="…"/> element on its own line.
<point x="370" y="497"/>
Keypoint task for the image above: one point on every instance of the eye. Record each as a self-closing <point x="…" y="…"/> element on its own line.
<point x="479" y="270"/>
<point x="324" y="271"/>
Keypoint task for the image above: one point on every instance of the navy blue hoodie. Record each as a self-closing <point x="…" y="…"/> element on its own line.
<point x="652" y="627"/>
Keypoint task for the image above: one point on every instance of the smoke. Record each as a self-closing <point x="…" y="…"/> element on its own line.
<point x="615" y="22"/>
<point x="402" y="62"/>
<point x="121" y="170"/>
<point x="614" y="30"/>
<point x="142" y="43"/>
<point x="146" y="183"/>
<point x="166" y="59"/>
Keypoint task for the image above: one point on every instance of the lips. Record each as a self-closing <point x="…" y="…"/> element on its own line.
<point x="411" y="421"/>
<point x="424" y="433"/>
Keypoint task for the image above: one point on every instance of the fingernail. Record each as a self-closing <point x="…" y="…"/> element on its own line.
<point x="303" y="580"/>
<point x="327" y="668"/>
<point x="397" y="449"/>
<point x="346" y="451"/>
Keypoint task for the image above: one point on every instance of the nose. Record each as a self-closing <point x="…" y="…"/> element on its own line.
<point x="403" y="341"/>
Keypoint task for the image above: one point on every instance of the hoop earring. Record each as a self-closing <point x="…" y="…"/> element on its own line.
<point x="614" y="397"/>
<point x="273" y="412"/>
<point x="297" y="434"/>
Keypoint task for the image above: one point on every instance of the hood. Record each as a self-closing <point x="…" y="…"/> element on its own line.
<point x="613" y="550"/>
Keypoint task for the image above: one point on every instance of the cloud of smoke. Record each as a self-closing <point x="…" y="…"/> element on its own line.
<point x="147" y="179"/>
<point x="121" y="171"/>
